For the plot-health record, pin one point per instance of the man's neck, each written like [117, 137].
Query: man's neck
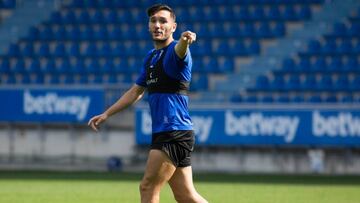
[162, 44]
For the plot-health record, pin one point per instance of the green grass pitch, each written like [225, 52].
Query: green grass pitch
[92, 187]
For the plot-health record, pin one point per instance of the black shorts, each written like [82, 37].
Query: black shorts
[177, 144]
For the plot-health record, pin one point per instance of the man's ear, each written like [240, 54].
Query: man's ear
[174, 27]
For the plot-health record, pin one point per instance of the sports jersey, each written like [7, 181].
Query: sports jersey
[168, 101]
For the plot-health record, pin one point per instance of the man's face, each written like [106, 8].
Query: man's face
[161, 25]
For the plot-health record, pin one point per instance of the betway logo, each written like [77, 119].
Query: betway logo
[51, 104]
[256, 124]
[202, 125]
[342, 125]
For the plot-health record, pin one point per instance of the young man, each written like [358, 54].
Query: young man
[166, 75]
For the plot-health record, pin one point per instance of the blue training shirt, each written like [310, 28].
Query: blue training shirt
[169, 111]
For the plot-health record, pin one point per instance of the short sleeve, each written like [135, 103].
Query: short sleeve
[176, 67]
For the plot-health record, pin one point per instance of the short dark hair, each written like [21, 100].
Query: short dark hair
[158, 7]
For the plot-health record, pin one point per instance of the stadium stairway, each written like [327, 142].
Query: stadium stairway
[26, 14]
[322, 19]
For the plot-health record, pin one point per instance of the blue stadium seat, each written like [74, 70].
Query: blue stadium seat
[105, 50]
[330, 99]
[355, 83]
[98, 79]
[115, 33]
[254, 47]
[304, 65]
[233, 30]
[297, 99]
[293, 83]
[288, 65]
[248, 30]
[236, 98]
[274, 13]
[5, 66]
[50, 66]
[60, 50]
[112, 16]
[258, 13]
[77, 3]
[319, 65]
[223, 48]
[33, 33]
[227, 14]
[88, 33]
[313, 47]
[97, 17]
[13, 50]
[239, 48]
[279, 30]
[309, 82]
[56, 18]
[335, 64]
[11, 79]
[122, 66]
[351, 64]
[108, 66]
[83, 17]
[93, 67]
[264, 30]
[339, 30]
[74, 33]
[101, 33]
[346, 99]
[325, 83]
[91, 3]
[28, 50]
[250, 99]
[304, 12]
[112, 79]
[78, 67]
[46, 33]
[64, 66]
[243, 14]
[289, 13]
[262, 83]
[44, 50]
[90, 50]
[54, 79]
[345, 47]
[266, 99]
[34, 66]
[25, 79]
[278, 83]
[227, 65]
[341, 83]
[211, 65]
[329, 47]
[69, 79]
[354, 30]
[314, 99]
[74, 49]
[199, 82]
[283, 99]
[18, 66]
[69, 17]
[60, 34]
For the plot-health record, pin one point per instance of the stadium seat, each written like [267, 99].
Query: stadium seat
[304, 64]
[293, 83]
[28, 50]
[34, 66]
[79, 67]
[330, 99]
[342, 83]
[329, 47]
[84, 17]
[278, 83]
[325, 83]
[74, 49]
[319, 65]
[335, 64]
[309, 83]
[60, 34]
[33, 33]
[313, 47]
[351, 64]
[199, 82]
[262, 83]
[13, 50]
[18, 66]
[46, 33]
[5, 66]
[97, 17]
[60, 50]
[74, 33]
[87, 33]
[91, 50]
[314, 99]
[345, 47]
[69, 17]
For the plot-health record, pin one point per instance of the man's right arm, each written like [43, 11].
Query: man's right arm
[130, 97]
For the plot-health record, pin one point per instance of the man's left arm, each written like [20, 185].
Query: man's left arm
[185, 40]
